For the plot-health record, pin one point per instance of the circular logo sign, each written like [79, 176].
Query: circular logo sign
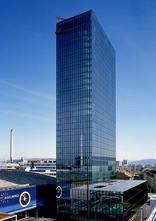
[58, 192]
[24, 199]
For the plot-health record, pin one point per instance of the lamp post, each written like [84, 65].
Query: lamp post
[87, 188]
[87, 164]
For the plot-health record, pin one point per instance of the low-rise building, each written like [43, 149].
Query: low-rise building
[150, 176]
[42, 166]
[113, 200]
[27, 194]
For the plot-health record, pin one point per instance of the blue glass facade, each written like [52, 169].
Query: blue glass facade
[85, 107]
[103, 104]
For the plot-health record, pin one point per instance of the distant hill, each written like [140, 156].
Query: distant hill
[144, 162]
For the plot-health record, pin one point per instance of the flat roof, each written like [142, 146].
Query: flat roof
[7, 185]
[5, 215]
[113, 185]
[18, 178]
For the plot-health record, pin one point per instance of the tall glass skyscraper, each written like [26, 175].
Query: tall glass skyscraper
[85, 107]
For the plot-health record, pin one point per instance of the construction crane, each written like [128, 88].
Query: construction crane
[59, 18]
[59, 31]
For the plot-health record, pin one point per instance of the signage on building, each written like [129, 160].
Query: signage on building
[19, 199]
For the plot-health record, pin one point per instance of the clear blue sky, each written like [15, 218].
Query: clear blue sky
[27, 73]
